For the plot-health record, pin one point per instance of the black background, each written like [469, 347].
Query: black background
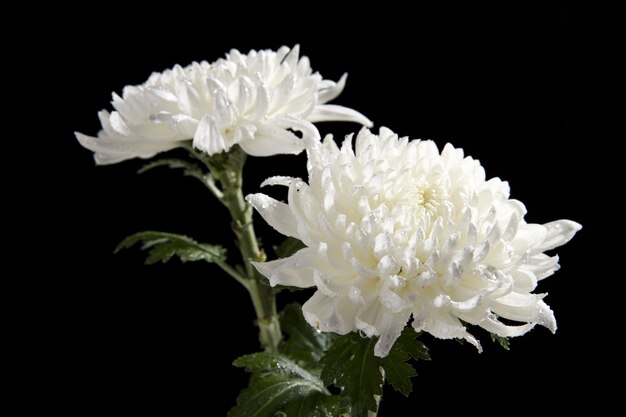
[517, 88]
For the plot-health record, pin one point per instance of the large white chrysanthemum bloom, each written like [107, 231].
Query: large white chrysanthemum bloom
[252, 100]
[396, 229]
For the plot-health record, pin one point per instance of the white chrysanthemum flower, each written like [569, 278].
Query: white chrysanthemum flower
[252, 100]
[395, 229]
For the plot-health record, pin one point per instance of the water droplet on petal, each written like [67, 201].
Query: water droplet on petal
[354, 294]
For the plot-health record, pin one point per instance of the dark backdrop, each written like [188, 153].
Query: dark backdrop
[515, 88]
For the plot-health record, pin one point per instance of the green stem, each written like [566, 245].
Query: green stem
[262, 295]
[232, 272]
[228, 169]
[210, 183]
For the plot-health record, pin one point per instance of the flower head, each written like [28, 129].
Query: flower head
[253, 100]
[395, 229]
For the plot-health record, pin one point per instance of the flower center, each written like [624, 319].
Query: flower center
[427, 197]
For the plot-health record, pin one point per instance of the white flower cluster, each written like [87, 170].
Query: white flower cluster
[253, 100]
[394, 229]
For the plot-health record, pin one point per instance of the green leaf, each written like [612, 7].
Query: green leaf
[303, 343]
[267, 394]
[501, 340]
[301, 393]
[316, 405]
[397, 371]
[407, 342]
[279, 384]
[271, 362]
[350, 363]
[163, 246]
[288, 247]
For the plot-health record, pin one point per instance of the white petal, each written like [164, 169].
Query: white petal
[317, 310]
[542, 265]
[527, 236]
[330, 90]
[182, 123]
[244, 94]
[329, 314]
[271, 139]
[224, 111]
[109, 150]
[303, 203]
[208, 137]
[259, 110]
[244, 133]
[291, 57]
[369, 318]
[279, 180]
[525, 308]
[346, 311]
[445, 326]
[494, 326]
[559, 232]
[118, 124]
[511, 229]
[276, 214]
[467, 305]
[287, 271]
[329, 287]
[188, 99]
[524, 280]
[390, 331]
[309, 132]
[335, 113]
[545, 317]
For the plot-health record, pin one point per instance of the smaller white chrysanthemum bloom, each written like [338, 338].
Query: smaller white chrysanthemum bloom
[253, 100]
[396, 229]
